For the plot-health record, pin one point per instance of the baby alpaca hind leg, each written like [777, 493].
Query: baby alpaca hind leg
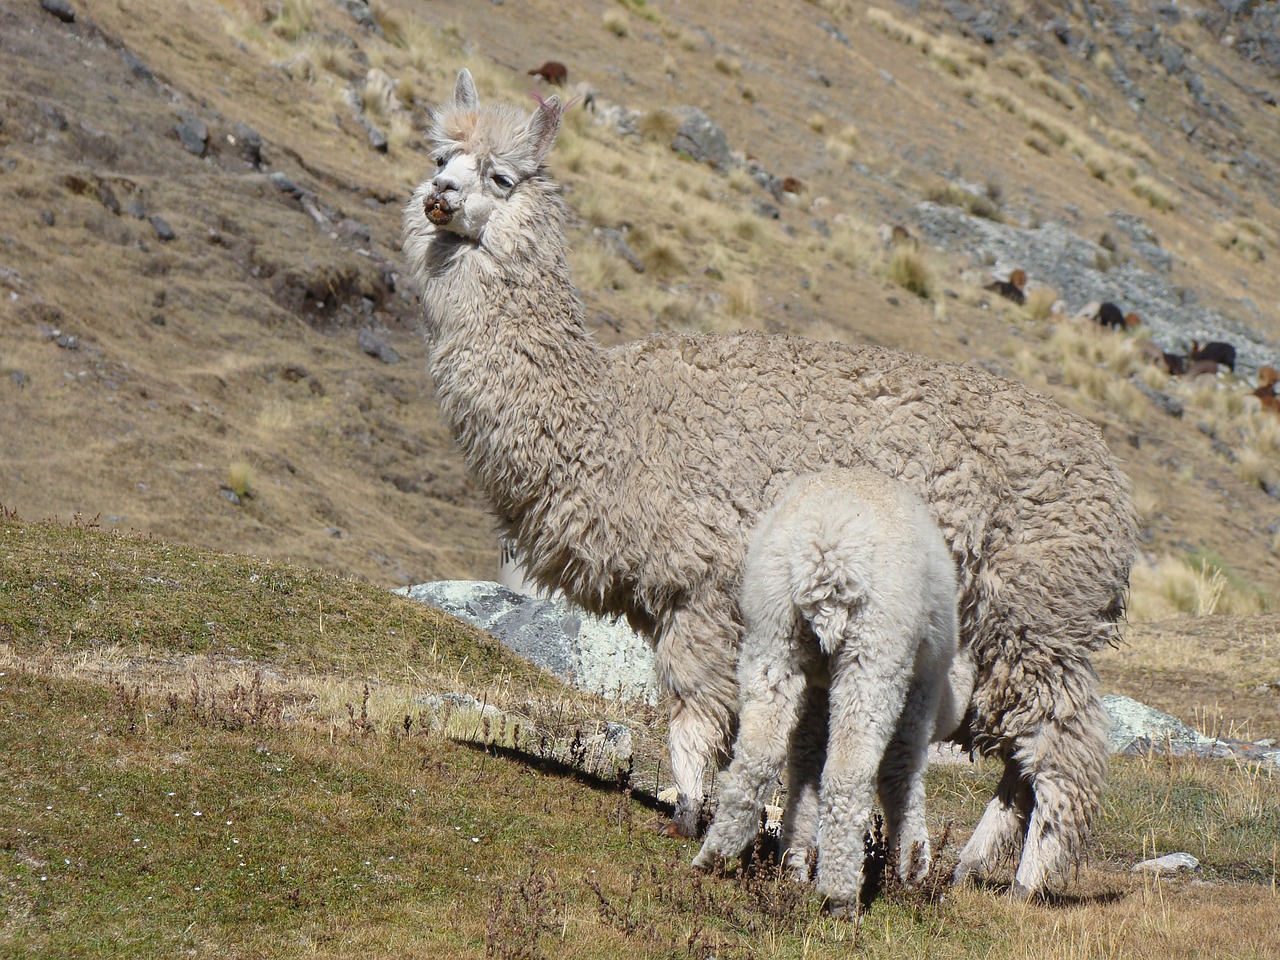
[902, 794]
[866, 702]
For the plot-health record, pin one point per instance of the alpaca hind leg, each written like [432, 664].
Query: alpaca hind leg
[804, 775]
[863, 714]
[902, 793]
[1001, 828]
[773, 693]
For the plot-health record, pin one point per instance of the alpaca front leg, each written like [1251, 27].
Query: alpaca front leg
[1001, 827]
[696, 657]
[1068, 765]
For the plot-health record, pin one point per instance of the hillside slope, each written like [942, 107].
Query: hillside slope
[202, 293]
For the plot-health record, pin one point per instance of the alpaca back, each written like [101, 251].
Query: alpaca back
[853, 552]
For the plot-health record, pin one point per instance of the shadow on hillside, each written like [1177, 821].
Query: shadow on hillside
[554, 766]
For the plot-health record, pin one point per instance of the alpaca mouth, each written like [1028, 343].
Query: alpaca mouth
[439, 211]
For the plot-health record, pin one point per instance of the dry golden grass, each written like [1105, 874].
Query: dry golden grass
[1039, 303]
[909, 270]
[1196, 586]
[616, 22]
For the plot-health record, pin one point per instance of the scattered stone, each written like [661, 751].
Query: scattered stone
[161, 226]
[614, 239]
[135, 209]
[834, 32]
[375, 346]
[60, 9]
[1165, 402]
[285, 185]
[593, 653]
[1138, 730]
[135, 66]
[701, 138]
[247, 144]
[231, 495]
[67, 342]
[107, 197]
[194, 134]
[355, 230]
[48, 218]
[18, 378]
[766, 209]
[1167, 865]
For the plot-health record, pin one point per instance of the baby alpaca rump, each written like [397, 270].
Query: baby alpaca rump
[631, 478]
[849, 597]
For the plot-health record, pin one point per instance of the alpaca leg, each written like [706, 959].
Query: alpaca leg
[863, 713]
[1001, 827]
[1067, 762]
[902, 793]
[773, 693]
[695, 656]
[804, 775]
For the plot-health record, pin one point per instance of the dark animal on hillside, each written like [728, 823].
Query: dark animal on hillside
[1223, 353]
[1109, 315]
[1013, 288]
[552, 71]
[1175, 364]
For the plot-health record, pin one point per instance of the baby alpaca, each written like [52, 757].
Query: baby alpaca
[849, 603]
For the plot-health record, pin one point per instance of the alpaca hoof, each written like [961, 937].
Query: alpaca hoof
[840, 909]
[438, 210]
[708, 861]
[1019, 892]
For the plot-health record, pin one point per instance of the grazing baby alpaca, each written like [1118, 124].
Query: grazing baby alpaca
[849, 606]
[630, 479]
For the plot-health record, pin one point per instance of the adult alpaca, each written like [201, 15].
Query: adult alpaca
[631, 477]
[849, 603]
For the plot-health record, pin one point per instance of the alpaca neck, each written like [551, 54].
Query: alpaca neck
[516, 373]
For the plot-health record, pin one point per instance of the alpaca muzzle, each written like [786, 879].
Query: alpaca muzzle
[439, 211]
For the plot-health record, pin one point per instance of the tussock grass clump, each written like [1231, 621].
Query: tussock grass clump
[909, 270]
[617, 23]
[291, 20]
[1246, 237]
[1149, 190]
[895, 29]
[240, 479]
[984, 205]
[1199, 584]
[842, 146]
[1039, 303]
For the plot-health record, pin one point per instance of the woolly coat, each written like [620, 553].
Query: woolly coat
[630, 478]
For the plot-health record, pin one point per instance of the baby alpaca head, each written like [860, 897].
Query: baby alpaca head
[486, 160]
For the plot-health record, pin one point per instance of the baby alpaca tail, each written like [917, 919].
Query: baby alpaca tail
[830, 572]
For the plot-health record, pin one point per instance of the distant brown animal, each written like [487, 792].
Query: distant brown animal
[1150, 351]
[1132, 320]
[897, 236]
[553, 72]
[1223, 353]
[1268, 377]
[1013, 288]
[791, 185]
[1175, 364]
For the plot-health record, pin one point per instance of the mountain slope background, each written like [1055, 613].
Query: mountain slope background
[201, 289]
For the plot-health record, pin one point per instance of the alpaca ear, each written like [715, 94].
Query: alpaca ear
[464, 92]
[543, 126]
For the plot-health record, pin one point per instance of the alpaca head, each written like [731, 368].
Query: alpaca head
[488, 163]
[1018, 278]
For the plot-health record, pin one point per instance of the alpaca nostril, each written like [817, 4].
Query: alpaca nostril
[444, 184]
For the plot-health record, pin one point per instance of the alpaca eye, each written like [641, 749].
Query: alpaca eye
[440, 161]
[505, 182]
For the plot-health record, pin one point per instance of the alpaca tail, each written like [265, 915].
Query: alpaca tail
[829, 579]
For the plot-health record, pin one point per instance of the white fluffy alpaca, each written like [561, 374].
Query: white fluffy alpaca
[849, 602]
